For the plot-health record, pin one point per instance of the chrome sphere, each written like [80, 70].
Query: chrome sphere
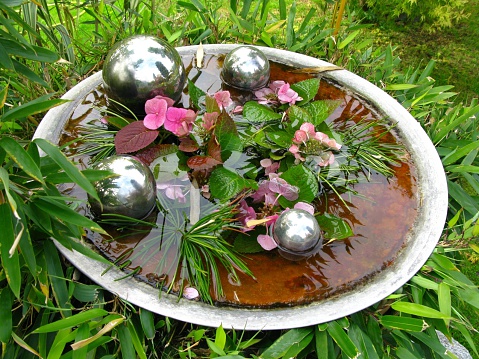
[131, 191]
[246, 67]
[142, 67]
[296, 231]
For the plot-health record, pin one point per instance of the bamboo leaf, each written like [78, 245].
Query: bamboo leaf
[321, 343]
[363, 343]
[419, 310]
[147, 323]
[220, 337]
[397, 87]
[24, 345]
[6, 302]
[21, 158]
[342, 340]
[127, 347]
[444, 299]
[70, 169]
[297, 348]
[403, 323]
[348, 39]
[72, 321]
[281, 346]
[106, 328]
[136, 341]
[10, 263]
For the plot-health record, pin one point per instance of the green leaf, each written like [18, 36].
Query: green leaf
[29, 74]
[321, 343]
[6, 302]
[220, 337]
[227, 135]
[281, 138]
[398, 87]
[419, 310]
[297, 348]
[321, 110]
[307, 89]
[31, 52]
[31, 108]
[62, 212]
[72, 321]
[305, 180]
[5, 60]
[147, 323]
[70, 169]
[256, 113]
[348, 39]
[444, 299]
[281, 346]
[212, 345]
[247, 243]
[22, 158]
[126, 342]
[363, 343]
[297, 116]
[333, 227]
[10, 263]
[459, 152]
[195, 93]
[342, 340]
[225, 184]
[137, 344]
[402, 323]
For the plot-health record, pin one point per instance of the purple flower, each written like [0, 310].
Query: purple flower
[266, 242]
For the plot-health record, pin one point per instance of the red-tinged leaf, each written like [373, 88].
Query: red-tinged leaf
[188, 144]
[134, 137]
[202, 162]
[214, 149]
[148, 155]
[211, 104]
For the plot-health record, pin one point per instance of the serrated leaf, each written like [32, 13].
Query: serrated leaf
[134, 137]
[333, 227]
[195, 93]
[211, 104]
[202, 162]
[247, 242]
[281, 138]
[297, 116]
[256, 113]
[321, 110]
[403, 323]
[305, 180]
[227, 136]
[225, 184]
[148, 155]
[307, 89]
[188, 144]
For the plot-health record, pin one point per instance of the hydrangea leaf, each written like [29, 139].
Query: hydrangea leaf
[306, 89]
[256, 113]
[134, 137]
[305, 180]
[281, 138]
[333, 227]
[226, 184]
[321, 110]
[195, 93]
[227, 135]
[297, 116]
[247, 242]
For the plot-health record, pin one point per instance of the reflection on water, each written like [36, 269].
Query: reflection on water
[380, 213]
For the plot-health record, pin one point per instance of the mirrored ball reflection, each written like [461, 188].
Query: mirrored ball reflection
[296, 232]
[142, 67]
[246, 67]
[130, 192]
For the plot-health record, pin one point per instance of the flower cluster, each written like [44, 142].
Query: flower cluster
[161, 112]
[308, 142]
[277, 92]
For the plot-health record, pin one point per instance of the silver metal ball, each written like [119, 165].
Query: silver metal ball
[142, 67]
[246, 67]
[296, 231]
[130, 192]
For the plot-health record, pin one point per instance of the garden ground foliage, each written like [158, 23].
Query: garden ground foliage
[49, 310]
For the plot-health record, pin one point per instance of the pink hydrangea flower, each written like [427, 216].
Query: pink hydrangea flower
[288, 95]
[305, 207]
[223, 99]
[155, 109]
[209, 120]
[266, 96]
[269, 166]
[179, 121]
[266, 242]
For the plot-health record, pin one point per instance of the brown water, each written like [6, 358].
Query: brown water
[380, 216]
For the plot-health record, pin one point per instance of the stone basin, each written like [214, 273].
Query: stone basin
[420, 242]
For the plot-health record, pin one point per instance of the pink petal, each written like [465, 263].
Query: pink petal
[308, 128]
[174, 117]
[223, 98]
[267, 242]
[276, 85]
[305, 207]
[153, 121]
[190, 293]
[300, 136]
